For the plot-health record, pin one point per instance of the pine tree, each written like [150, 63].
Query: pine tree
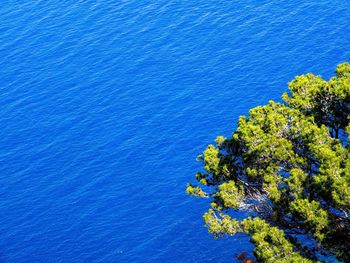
[288, 166]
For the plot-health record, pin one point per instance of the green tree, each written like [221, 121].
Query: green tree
[288, 166]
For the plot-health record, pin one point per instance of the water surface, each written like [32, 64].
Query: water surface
[105, 105]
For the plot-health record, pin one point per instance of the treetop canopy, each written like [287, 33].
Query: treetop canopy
[288, 165]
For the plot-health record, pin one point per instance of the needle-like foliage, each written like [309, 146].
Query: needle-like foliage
[288, 165]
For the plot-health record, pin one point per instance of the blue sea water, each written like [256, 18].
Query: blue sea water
[105, 105]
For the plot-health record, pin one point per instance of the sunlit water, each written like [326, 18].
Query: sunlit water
[106, 104]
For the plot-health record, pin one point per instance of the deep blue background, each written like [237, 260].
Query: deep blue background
[105, 104]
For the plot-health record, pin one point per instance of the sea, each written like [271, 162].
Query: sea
[105, 104]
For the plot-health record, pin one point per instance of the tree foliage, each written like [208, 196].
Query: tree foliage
[288, 166]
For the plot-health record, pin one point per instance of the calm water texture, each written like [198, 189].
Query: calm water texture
[105, 105]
